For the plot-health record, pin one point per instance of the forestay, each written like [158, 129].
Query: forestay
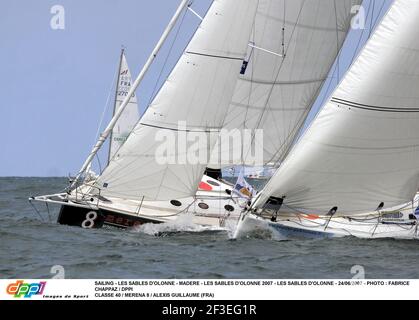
[363, 147]
[198, 92]
[276, 92]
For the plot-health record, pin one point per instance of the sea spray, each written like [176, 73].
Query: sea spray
[184, 223]
[253, 230]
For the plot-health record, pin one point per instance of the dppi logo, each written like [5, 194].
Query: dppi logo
[27, 290]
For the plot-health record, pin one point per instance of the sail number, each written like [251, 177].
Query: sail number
[124, 94]
[89, 223]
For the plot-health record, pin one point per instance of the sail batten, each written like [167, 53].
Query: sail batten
[362, 149]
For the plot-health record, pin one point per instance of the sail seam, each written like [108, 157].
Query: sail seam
[181, 130]
[273, 109]
[267, 82]
[214, 56]
[372, 107]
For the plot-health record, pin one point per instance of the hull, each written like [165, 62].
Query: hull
[97, 218]
[212, 206]
[305, 227]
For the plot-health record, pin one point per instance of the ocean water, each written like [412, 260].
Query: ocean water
[31, 247]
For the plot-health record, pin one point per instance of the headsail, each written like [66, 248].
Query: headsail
[363, 147]
[197, 92]
[276, 92]
[130, 116]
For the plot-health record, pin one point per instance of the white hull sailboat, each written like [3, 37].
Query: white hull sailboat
[133, 189]
[355, 170]
[396, 224]
[214, 202]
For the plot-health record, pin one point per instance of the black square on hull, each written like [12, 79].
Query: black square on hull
[81, 217]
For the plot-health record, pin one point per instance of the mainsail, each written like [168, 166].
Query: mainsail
[197, 92]
[130, 116]
[362, 150]
[293, 47]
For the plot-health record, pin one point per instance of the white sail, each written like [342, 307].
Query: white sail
[198, 92]
[130, 116]
[276, 93]
[362, 149]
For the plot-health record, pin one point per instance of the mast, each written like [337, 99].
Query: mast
[115, 107]
[137, 82]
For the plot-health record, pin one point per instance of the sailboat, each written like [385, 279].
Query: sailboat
[355, 171]
[130, 116]
[237, 72]
[211, 188]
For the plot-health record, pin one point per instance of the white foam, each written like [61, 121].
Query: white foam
[182, 224]
[254, 229]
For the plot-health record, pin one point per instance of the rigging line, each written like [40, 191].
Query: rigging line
[107, 103]
[266, 50]
[195, 177]
[251, 78]
[372, 17]
[128, 172]
[183, 51]
[194, 12]
[214, 56]
[49, 213]
[156, 91]
[269, 108]
[376, 107]
[293, 127]
[153, 95]
[115, 103]
[283, 29]
[337, 45]
[115, 80]
[165, 172]
[378, 15]
[168, 168]
[208, 130]
[228, 111]
[327, 94]
[126, 167]
[302, 122]
[37, 211]
[106, 108]
[99, 164]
